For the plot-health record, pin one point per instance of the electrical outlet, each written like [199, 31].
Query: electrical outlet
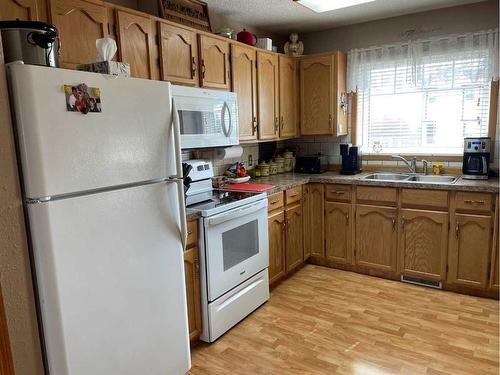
[250, 160]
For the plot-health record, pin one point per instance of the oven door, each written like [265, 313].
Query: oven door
[236, 247]
[207, 121]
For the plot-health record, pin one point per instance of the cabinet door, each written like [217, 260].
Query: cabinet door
[494, 282]
[243, 66]
[135, 43]
[340, 95]
[79, 24]
[338, 235]
[214, 55]
[376, 237]
[294, 237]
[317, 213]
[276, 227]
[178, 55]
[25, 10]
[423, 243]
[193, 295]
[267, 91]
[306, 214]
[470, 241]
[288, 96]
[316, 95]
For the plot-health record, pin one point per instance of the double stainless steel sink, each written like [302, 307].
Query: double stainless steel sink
[413, 177]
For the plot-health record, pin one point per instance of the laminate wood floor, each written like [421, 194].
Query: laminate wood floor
[326, 321]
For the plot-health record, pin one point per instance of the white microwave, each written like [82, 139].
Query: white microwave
[207, 118]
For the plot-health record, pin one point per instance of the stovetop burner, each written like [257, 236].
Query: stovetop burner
[221, 198]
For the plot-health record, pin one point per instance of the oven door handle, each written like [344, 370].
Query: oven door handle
[234, 214]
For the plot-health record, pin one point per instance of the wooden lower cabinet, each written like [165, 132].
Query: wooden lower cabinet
[294, 236]
[317, 217]
[306, 214]
[469, 252]
[494, 271]
[338, 232]
[423, 243]
[276, 228]
[193, 293]
[376, 237]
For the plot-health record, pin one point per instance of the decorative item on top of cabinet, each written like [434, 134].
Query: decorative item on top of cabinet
[494, 271]
[322, 95]
[178, 54]
[244, 81]
[192, 13]
[470, 249]
[338, 232]
[376, 237]
[214, 62]
[294, 47]
[294, 236]
[79, 24]
[317, 219]
[24, 10]
[288, 96]
[276, 228]
[423, 244]
[135, 43]
[268, 92]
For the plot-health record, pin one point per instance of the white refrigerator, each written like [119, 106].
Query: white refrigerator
[105, 204]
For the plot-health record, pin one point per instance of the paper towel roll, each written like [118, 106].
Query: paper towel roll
[233, 152]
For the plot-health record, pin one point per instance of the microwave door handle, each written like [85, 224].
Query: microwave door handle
[177, 141]
[485, 166]
[227, 132]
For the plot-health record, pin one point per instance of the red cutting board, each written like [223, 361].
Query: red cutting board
[248, 187]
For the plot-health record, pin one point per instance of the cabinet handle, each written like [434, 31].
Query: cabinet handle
[197, 265]
[282, 123]
[254, 125]
[190, 232]
[276, 126]
[457, 230]
[193, 68]
[330, 122]
[403, 222]
[202, 68]
[347, 217]
[283, 225]
[470, 201]
[393, 225]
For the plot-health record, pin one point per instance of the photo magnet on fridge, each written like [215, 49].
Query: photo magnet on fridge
[82, 98]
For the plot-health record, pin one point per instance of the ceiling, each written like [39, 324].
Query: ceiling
[283, 16]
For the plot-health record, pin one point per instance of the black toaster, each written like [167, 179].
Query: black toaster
[313, 164]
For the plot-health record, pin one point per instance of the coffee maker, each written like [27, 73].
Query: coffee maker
[351, 158]
[476, 161]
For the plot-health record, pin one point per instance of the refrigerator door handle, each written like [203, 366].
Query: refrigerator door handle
[177, 140]
[182, 211]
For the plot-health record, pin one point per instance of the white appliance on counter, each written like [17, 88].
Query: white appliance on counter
[105, 203]
[208, 118]
[234, 256]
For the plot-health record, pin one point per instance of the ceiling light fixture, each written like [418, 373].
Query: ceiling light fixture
[320, 6]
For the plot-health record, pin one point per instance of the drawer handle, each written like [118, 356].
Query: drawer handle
[190, 232]
[274, 202]
[471, 201]
[293, 195]
[339, 192]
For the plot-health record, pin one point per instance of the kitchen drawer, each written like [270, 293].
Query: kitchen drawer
[275, 201]
[192, 235]
[481, 202]
[341, 193]
[421, 198]
[293, 195]
[372, 194]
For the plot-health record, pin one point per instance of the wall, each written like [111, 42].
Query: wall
[15, 273]
[460, 19]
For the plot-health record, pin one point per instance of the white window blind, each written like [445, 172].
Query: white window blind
[424, 97]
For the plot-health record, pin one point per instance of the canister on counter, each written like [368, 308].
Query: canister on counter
[264, 169]
[288, 161]
[281, 164]
[273, 168]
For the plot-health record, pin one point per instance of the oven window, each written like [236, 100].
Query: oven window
[239, 244]
[200, 122]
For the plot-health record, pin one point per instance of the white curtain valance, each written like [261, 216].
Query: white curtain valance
[410, 56]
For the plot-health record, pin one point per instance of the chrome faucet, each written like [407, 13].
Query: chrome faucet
[412, 166]
[425, 166]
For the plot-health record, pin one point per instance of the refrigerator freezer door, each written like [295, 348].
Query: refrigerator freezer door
[110, 276]
[63, 152]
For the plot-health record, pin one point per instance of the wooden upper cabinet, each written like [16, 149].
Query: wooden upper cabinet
[178, 54]
[135, 43]
[288, 96]
[268, 93]
[294, 236]
[244, 82]
[214, 61]
[79, 24]
[423, 243]
[276, 227]
[470, 248]
[340, 94]
[317, 212]
[316, 95]
[25, 10]
[338, 233]
[193, 293]
[376, 237]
